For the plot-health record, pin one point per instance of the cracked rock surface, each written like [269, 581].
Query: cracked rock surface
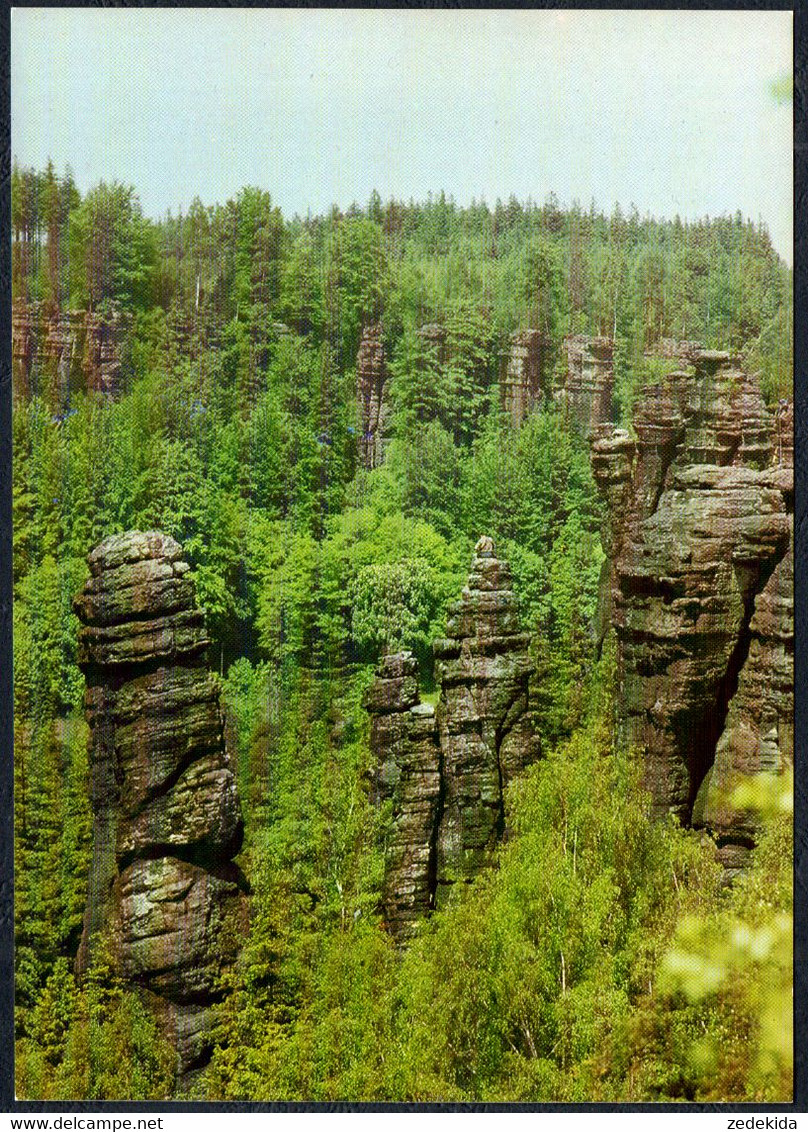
[586, 394]
[699, 535]
[164, 892]
[404, 737]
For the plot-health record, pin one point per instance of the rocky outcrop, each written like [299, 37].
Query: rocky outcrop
[102, 360]
[165, 898]
[521, 381]
[586, 396]
[484, 717]
[55, 353]
[374, 410]
[699, 536]
[446, 773]
[404, 736]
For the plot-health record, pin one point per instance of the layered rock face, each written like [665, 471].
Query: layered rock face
[484, 717]
[446, 772]
[404, 735]
[164, 894]
[586, 395]
[520, 384]
[374, 411]
[53, 354]
[699, 536]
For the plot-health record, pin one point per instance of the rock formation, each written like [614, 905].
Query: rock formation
[699, 537]
[484, 718]
[55, 353]
[404, 735]
[446, 773]
[164, 898]
[586, 395]
[520, 385]
[371, 379]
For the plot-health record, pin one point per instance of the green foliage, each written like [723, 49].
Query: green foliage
[782, 88]
[45, 632]
[539, 286]
[772, 355]
[94, 1041]
[301, 290]
[741, 957]
[116, 250]
[532, 966]
[522, 989]
[236, 433]
[394, 605]
[317, 599]
[52, 846]
[356, 281]
[419, 389]
[429, 469]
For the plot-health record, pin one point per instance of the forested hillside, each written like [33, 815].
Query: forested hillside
[603, 956]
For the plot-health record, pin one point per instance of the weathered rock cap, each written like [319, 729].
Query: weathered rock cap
[138, 606]
[396, 685]
[396, 664]
[712, 359]
[133, 546]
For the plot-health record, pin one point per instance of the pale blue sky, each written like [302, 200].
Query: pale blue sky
[670, 111]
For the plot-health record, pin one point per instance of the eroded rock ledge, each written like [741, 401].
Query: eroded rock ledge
[164, 897]
[445, 772]
[699, 537]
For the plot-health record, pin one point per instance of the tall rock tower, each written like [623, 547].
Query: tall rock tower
[700, 541]
[445, 772]
[372, 396]
[484, 718]
[165, 898]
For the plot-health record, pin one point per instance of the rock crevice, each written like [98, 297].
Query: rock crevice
[699, 537]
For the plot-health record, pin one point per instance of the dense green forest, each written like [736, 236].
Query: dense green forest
[556, 976]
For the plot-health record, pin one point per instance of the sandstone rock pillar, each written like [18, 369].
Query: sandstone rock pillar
[520, 384]
[486, 731]
[165, 899]
[404, 737]
[445, 772]
[371, 395]
[699, 539]
[586, 396]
